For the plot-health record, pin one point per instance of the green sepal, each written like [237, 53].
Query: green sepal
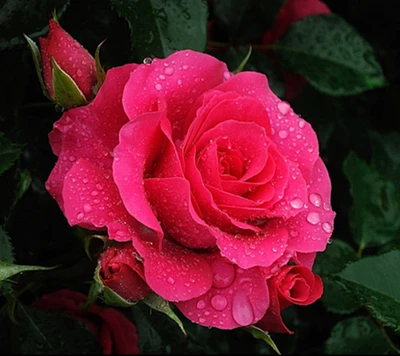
[109, 296]
[37, 60]
[243, 62]
[101, 73]
[66, 92]
[154, 301]
[263, 335]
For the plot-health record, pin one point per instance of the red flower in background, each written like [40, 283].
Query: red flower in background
[292, 11]
[115, 333]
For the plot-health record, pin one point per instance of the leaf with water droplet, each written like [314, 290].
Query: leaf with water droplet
[263, 335]
[154, 301]
[331, 54]
[156, 26]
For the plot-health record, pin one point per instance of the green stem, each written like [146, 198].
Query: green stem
[388, 340]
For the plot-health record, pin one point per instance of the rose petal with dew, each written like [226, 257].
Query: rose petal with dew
[171, 198]
[293, 136]
[92, 201]
[141, 144]
[174, 272]
[237, 297]
[179, 79]
[89, 132]
[261, 249]
[310, 230]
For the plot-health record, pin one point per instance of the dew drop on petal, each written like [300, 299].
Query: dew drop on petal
[158, 86]
[87, 208]
[242, 311]
[327, 227]
[170, 280]
[201, 304]
[296, 203]
[315, 199]
[283, 107]
[302, 123]
[224, 274]
[169, 70]
[313, 218]
[219, 302]
[80, 216]
[147, 61]
[283, 134]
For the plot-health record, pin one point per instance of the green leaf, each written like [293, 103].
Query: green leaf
[66, 92]
[6, 248]
[270, 10]
[375, 282]
[42, 331]
[375, 218]
[154, 301]
[37, 60]
[356, 336]
[160, 27]
[230, 13]
[331, 54]
[101, 74]
[33, 15]
[263, 335]
[335, 298]
[8, 270]
[9, 152]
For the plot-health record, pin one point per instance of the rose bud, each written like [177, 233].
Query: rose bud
[114, 331]
[122, 272]
[69, 71]
[292, 285]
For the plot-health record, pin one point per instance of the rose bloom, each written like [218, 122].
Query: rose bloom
[214, 180]
[115, 333]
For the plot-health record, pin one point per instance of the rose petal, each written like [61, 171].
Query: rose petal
[305, 259]
[141, 143]
[293, 136]
[311, 229]
[92, 201]
[175, 273]
[97, 123]
[237, 297]
[179, 78]
[171, 198]
[262, 249]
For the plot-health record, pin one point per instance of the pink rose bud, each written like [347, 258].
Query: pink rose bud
[122, 272]
[71, 58]
[292, 285]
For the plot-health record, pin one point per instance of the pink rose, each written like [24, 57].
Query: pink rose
[115, 333]
[122, 272]
[292, 285]
[292, 11]
[214, 180]
[70, 56]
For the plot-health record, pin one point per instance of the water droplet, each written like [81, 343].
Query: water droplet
[170, 280]
[302, 123]
[315, 199]
[202, 320]
[242, 311]
[327, 227]
[71, 158]
[87, 208]
[224, 274]
[283, 134]
[94, 193]
[274, 249]
[158, 86]
[147, 61]
[169, 70]
[79, 73]
[294, 233]
[227, 75]
[313, 218]
[326, 206]
[330, 241]
[201, 304]
[185, 67]
[99, 186]
[296, 203]
[283, 107]
[80, 216]
[219, 302]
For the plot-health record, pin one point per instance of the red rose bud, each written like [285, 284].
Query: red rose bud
[122, 272]
[69, 71]
[114, 331]
[292, 285]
